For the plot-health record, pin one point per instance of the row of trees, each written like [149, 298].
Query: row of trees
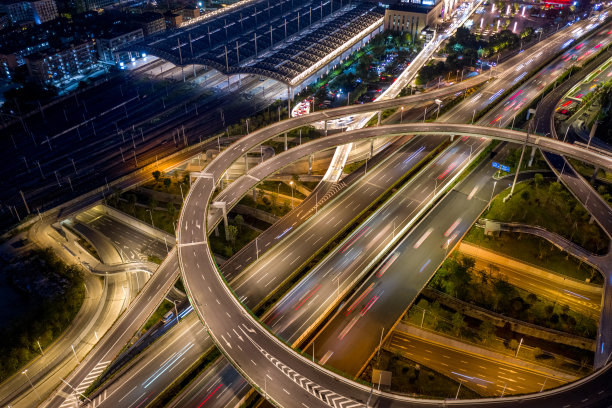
[53, 293]
[464, 49]
[459, 278]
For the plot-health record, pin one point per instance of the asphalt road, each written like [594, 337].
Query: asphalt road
[142, 380]
[133, 244]
[384, 299]
[280, 262]
[580, 298]
[394, 164]
[121, 331]
[485, 375]
[99, 310]
[591, 200]
[194, 254]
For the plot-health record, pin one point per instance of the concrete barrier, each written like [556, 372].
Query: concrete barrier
[136, 223]
[255, 212]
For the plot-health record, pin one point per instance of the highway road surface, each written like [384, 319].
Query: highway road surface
[405, 100]
[394, 165]
[225, 314]
[485, 375]
[317, 294]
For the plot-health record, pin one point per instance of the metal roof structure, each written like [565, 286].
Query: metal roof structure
[279, 39]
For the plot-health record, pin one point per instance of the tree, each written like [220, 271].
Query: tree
[458, 323]
[167, 183]
[513, 345]
[171, 209]
[131, 199]
[537, 352]
[152, 203]
[486, 331]
[538, 179]
[233, 234]
[239, 221]
[156, 175]
[525, 195]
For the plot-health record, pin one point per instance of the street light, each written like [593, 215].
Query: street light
[176, 311]
[439, 103]
[151, 214]
[402, 116]
[492, 191]
[25, 372]
[291, 183]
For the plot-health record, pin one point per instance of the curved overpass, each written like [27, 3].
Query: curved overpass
[284, 376]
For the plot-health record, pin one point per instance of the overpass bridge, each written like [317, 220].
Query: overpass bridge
[258, 355]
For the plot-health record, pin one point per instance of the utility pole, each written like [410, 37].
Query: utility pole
[24, 201]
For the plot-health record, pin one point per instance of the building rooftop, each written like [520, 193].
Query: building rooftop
[410, 7]
[290, 37]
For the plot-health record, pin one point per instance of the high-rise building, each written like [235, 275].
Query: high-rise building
[37, 11]
[56, 65]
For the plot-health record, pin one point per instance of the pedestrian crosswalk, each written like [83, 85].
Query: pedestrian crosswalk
[74, 399]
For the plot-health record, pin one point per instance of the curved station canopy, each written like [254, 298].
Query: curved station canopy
[278, 39]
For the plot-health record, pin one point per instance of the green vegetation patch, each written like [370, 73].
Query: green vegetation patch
[164, 308]
[280, 187]
[51, 292]
[459, 278]
[239, 233]
[550, 205]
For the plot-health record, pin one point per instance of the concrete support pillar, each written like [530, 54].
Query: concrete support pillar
[223, 206]
[310, 159]
[592, 133]
[594, 176]
[217, 231]
[325, 127]
[452, 137]
[253, 190]
[518, 168]
[379, 118]
[371, 148]
[285, 141]
[533, 151]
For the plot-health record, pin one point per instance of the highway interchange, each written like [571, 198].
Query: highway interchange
[334, 294]
[397, 103]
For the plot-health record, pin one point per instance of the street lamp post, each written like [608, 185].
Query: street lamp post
[176, 311]
[25, 372]
[151, 214]
[492, 191]
[291, 183]
[402, 115]
[458, 389]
